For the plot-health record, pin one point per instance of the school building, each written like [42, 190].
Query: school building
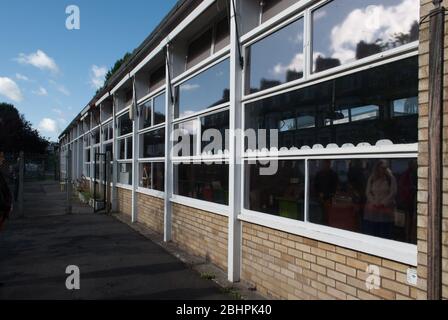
[351, 98]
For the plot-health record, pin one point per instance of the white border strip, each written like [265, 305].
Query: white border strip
[388, 249]
[219, 209]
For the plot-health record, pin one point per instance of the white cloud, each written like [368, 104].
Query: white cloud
[97, 76]
[40, 60]
[48, 125]
[369, 24]
[189, 87]
[10, 89]
[41, 92]
[22, 77]
[295, 65]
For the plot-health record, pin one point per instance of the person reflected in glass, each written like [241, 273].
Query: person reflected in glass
[407, 191]
[380, 207]
[326, 185]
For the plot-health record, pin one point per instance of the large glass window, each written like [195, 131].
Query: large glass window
[146, 114]
[281, 194]
[154, 144]
[187, 137]
[124, 125]
[208, 89]
[125, 149]
[276, 59]
[371, 196]
[152, 176]
[368, 106]
[346, 31]
[207, 182]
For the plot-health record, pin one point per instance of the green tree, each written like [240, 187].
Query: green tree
[115, 68]
[17, 134]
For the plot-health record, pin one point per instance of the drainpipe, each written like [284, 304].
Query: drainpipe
[435, 174]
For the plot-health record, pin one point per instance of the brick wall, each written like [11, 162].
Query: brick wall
[426, 6]
[201, 233]
[287, 266]
[151, 211]
[124, 197]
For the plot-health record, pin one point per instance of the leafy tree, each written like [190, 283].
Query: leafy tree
[115, 68]
[17, 134]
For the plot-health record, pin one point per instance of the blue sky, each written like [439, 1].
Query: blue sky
[49, 72]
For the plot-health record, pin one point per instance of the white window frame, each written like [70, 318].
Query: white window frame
[300, 10]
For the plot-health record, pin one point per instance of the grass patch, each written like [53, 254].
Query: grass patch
[207, 276]
[234, 293]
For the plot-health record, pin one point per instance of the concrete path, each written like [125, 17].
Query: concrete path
[115, 261]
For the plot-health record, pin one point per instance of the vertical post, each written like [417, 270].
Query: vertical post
[168, 147]
[114, 196]
[21, 178]
[107, 177]
[68, 182]
[135, 153]
[435, 175]
[234, 227]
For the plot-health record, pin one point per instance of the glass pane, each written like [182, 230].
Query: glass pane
[371, 196]
[154, 144]
[152, 176]
[200, 48]
[124, 125]
[206, 90]
[222, 34]
[129, 148]
[122, 148]
[215, 126]
[124, 173]
[145, 115]
[145, 180]
[208, 182]
[159, 109]
[346, 31]
[158, 175]
[278, 192]
[187, 138]
[276, 59]
[361, 107]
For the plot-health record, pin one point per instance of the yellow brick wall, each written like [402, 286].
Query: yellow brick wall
[124, 197]
[151, 211]
[286, 266]
[201, 233]
[426, 6]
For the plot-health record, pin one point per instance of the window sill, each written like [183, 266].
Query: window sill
[387, 249]
[124, 186]
[152, 193]
[219, 209]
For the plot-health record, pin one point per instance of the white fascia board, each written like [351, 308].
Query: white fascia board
[180, 27]
[85, 110]
[122, 82]
[102, 99]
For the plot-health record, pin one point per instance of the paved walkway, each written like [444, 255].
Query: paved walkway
[115, 261]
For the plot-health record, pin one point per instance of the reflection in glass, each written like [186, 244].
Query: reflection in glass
[159, 109]
[208, 89]
[154, 144]
[146, 115]
[281, 194]
[124, 125]
[207, 182]
[152, 176]
[187, 133]
[217, 121]
[345, 31]
[376, 197]
[362, 107]
[276, 59]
